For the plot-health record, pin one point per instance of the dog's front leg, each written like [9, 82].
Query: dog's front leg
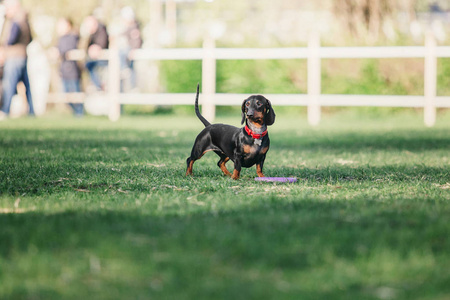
[259, 167]
[237, 169]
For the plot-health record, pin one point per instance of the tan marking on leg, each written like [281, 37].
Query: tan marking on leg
[224, 168]
[235, 175]
[189, 169]
[259, 171]
[204, 153]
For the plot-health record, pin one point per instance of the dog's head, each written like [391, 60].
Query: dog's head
[258, 110]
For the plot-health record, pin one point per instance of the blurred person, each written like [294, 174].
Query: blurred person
[130, 40]
[98, 40]
[69, 69]
[15, 38]
[2, 22]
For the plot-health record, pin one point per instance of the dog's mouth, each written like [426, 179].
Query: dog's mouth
[255, 119]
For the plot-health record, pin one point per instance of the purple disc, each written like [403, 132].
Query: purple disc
[277, 179]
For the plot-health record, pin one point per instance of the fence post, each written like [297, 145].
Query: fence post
[314, 79]
[430, 79]
[209, 78]
[114, 83]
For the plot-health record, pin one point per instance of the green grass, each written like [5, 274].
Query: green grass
[99, 210]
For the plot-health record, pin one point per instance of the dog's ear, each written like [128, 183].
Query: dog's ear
[270, 114]
[243, 111]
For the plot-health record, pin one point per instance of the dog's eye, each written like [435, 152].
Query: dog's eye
[247, 104]
[258, 103]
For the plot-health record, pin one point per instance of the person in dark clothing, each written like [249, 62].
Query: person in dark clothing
[98, 40]
[69, 69]
[15, 39]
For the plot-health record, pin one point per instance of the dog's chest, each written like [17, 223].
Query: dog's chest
[254, 150]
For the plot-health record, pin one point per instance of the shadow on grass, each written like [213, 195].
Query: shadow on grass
[306, 248]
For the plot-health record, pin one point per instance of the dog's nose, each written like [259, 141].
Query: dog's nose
[250, 112]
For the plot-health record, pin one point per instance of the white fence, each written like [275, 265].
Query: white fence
[313, 100]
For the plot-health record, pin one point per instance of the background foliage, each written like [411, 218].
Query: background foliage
[350, 76]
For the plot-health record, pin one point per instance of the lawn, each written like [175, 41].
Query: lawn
[91, 209]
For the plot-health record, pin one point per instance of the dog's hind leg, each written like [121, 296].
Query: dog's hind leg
[223, 160]
[190, 164]
[201, 146]
[196, 154]
[190, 161]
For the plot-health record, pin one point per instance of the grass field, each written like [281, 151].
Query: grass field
[91, 209]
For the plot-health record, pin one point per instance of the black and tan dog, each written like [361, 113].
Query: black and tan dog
[245, 146]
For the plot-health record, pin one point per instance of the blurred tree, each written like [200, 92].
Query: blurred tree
[364, 19]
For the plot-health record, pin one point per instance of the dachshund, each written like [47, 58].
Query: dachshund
[245, 147]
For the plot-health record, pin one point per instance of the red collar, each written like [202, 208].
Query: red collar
[255, 135]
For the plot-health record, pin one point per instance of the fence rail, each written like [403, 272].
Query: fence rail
[289, 53]
[314, 99]
[281, 99]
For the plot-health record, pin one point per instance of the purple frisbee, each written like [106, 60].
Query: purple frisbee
[277, 179]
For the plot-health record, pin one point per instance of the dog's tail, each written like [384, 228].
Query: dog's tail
[197, 111]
